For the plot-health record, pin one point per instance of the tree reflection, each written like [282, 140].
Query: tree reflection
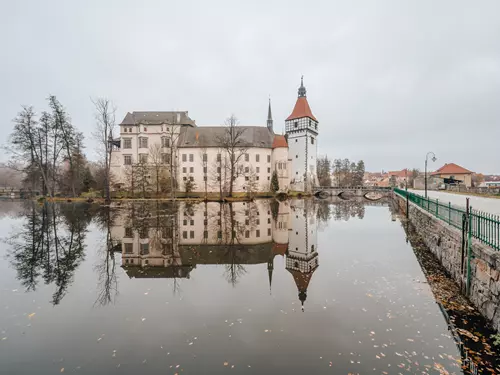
[49, 245]
[340, 210]
[107, 284]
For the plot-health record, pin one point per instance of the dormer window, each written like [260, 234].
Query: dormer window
[296, 124]
[145, 129]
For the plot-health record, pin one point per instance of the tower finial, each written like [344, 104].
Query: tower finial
[269, 117]
[302, 89]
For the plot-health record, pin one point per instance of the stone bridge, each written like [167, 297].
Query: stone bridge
[367, 192]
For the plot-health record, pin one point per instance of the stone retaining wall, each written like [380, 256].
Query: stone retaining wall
[445, 242]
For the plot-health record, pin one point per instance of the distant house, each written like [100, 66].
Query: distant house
[453, 173]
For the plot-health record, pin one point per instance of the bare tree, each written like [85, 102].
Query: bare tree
[157, 161]
[204, 164]
[104, 133]
[66, 136]
[251, 185]
[232, 142]
[172, 137]
[25, 144]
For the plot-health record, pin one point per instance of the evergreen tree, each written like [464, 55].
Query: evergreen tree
[275, 185]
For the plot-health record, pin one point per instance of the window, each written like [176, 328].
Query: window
[257, 158]
[218, 169]
[219, 234]
[144, 249]
[130, 130]
[205, 157]
[125, 130]
[184, 222]
[191, 234]
[127, 143]
[312, 248]
[191, 222]
[269, 220]
[247, 221]
[205, 170]
[185, 234]
[257, 233]
[268, 158]
[184, 178]
[165, 142]
[257, 178]
[247, 157]
[218, 157]
[129, 233]
[247, 169]
[247, 178]
[129, 248]
[145, 129]
[268, 231]
[143, 142]
[296, 124]
[316, 126]
[191, 169]
[205, 234]
[257, 221]
[191, 157]
[218, 222]
[143, 158]
[296, 140]
[184, 157]
[184, 169]
[191, 178]
[204, 178]
[143, 233]
[127, 159]
[268, 170]
[247, 234]
[257, 169]
[268, 178]
[165, 158]
[312, 140]
[296, 156]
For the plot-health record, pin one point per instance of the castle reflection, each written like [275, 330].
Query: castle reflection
[167, 240]
[163, 240]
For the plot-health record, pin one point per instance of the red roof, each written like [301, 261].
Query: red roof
[452, 168]
[301, 109]
[402, 173]
[280, 248]
[279, 141]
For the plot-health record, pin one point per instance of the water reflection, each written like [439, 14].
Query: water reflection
[163, 240]
[49, 245]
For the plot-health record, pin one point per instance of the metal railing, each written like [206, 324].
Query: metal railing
[483, 226]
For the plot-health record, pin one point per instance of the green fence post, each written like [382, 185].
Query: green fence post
[449, 212]
[437, 207]
[469, 249]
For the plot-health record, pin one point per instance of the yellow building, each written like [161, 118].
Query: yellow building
[454, 172]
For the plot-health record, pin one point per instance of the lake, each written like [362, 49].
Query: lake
[265, 287]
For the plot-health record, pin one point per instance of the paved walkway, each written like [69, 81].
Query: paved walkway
[490, 205]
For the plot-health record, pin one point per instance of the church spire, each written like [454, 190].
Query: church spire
[269, 117]
[302, 89]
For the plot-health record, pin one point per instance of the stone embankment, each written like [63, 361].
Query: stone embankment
[447, 243]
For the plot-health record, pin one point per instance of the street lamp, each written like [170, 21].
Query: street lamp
[433, 159]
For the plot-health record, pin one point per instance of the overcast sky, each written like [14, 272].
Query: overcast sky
[387, 80]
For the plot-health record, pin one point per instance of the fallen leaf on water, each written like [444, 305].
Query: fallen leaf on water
[225, 363]
[62, 370]
[31, 315]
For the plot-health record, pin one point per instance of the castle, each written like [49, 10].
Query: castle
[171, 143]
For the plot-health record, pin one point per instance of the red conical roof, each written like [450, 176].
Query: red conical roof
[301, 109]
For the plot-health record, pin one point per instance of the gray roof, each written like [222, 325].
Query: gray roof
[207, 136]
[157, 118]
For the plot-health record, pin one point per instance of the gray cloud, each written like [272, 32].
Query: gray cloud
[388, 80]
